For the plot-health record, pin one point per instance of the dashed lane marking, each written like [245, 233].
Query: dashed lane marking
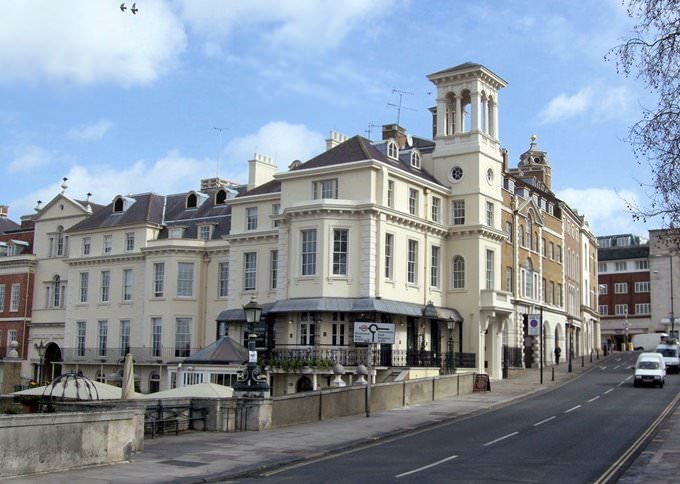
[426, 467]
[593, 399]
[500, 438]
[572, 409]
[545, 420]
[608, 391]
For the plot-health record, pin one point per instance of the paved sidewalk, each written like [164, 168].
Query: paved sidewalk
[213, 457]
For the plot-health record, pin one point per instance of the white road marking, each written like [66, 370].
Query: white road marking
[608, 391]
[426, 467]
[617, 367]
[631, 376]
[621, 383]
[603, 367]
[593, 399]
[544, 421]
[572, 409]
[500, 438]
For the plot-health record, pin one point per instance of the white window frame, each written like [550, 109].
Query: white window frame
[389, 256]
[490, 262]
[124, 337]
[105, 287]
[642, 286]
[185, 279]
[273, 269]
[390, 193]
[249, 271]
[308, 245]
[251, 218]
[128, 282]
[489, 214]
[643, 308]
[14, 298]
[156, 336]
[223, 279]
[620, 288]
[435, 263]
[158, 279]
[458, 212]
[183, 334]
[107, 247]
[603, 309]
[84, 280]
[325, 189]
[340, 256]
[436, 209]
[86, 245]
[412, 262]
[621, 309]
[413, 201]
[81, 335]
[129, 242]
[102, 336]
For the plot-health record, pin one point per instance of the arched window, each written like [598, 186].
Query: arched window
[392, 149]
[56, 292]
[118, 204]
[528, 237]
[191, 200]
[220, 197]
[415, 159]
[458, 272]
[101, 377]
[528, 279]
[60, 241]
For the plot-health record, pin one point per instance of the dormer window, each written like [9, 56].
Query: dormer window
[191, 200]
[122, 203]
[220, 196]
[175, 232]
[415, 159]
[204, 232]
[392, 150]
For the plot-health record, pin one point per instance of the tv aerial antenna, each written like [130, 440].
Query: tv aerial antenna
[368, 130]
[400, 106]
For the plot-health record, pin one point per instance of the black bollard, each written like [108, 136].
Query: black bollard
[553, 373]
[582, 361]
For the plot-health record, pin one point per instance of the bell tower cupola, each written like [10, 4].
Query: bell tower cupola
[467, 106]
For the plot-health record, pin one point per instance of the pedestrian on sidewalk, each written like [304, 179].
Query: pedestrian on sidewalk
[558, 352]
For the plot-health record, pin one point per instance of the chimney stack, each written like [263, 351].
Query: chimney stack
[396, 132]
[3, 211]
[334, 139]
[261, 169]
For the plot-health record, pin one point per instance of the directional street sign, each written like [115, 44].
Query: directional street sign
[372, 332]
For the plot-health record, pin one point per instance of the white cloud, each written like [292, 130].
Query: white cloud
[91, 132]
[85, 42]
[28, 159]
[605, 209]
[614, 103]
[284, 142]
[173, 173]
[565, 106]
[306, 24]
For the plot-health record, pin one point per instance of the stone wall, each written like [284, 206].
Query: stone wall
[341, 402]
[33, 443]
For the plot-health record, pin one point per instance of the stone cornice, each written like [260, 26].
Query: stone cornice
[106, 259]
[481, 231]
[252, 236]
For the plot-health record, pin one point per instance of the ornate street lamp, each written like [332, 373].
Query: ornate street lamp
[252, 381]
[41, 348]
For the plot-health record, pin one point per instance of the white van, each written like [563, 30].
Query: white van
[671, 356]
[648, 341]
[650, 368]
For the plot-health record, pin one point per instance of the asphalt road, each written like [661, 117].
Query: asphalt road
[569, 435]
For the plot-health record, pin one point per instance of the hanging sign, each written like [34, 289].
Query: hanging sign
[534, 326]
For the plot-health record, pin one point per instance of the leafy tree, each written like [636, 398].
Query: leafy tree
[652, 54]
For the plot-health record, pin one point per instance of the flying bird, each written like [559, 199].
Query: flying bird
[134, 9]
[122, 7]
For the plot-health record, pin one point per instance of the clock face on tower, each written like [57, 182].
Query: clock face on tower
[456, 174]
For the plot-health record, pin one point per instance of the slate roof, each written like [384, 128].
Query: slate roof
[225, 350]
[7, 225]
[148, 208]
[177, 214]
[359, 148]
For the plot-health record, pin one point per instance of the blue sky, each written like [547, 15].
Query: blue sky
[123, 103]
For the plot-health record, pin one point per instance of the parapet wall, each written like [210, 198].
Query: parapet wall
[45, 442]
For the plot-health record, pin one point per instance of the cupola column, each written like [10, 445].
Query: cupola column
[474, 126]
[485, 110]
[458, 125]
[441, 116]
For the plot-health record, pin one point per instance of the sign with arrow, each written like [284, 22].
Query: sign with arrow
[373, 333]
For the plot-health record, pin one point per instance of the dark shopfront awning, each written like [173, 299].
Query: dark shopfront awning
[347, 305]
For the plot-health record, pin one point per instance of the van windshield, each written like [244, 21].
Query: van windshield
[648, 365]
[669, 352]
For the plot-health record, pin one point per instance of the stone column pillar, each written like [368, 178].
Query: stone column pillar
[475, 124]
[441, 117]
[460, 123]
